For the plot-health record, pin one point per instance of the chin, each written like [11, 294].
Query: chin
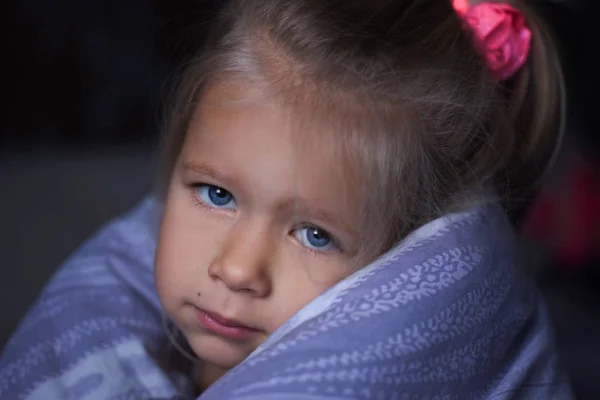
[218, 351]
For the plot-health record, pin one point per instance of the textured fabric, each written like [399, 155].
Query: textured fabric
[95, 332]
[446, 314]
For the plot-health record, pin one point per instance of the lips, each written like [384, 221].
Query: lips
[222, 326]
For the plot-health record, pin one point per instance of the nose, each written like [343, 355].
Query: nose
[243, 262]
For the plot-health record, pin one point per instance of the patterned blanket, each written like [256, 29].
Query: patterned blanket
[447, 314]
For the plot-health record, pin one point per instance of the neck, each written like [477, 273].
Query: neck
[206, 374]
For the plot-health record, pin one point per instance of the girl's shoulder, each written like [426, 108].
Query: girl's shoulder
[97, 321]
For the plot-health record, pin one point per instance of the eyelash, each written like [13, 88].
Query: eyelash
[335, 242]
[193, 192]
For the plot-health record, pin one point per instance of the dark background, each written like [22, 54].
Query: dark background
[83, 83]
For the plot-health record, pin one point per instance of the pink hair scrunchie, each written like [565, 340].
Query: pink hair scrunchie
[500, 33]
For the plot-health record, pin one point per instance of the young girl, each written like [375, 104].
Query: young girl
[329, 219]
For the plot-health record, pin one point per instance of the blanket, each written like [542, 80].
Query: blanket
[449, 313]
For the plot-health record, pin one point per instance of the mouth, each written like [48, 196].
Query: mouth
[222, 326]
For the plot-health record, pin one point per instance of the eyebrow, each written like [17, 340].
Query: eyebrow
[214, 173]
[302, 207]
[203, 169]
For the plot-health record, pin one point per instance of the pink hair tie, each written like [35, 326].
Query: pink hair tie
[501, 35]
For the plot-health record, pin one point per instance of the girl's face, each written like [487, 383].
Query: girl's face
[254, 228]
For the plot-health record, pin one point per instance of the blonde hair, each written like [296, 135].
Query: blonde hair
[421, 122]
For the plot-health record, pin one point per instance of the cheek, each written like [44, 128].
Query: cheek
[183, 252]
[170, 262]
[303, 279]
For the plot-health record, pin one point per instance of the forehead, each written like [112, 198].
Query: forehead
[242, 132]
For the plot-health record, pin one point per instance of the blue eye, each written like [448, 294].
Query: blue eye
[216, 197]
[314, 238]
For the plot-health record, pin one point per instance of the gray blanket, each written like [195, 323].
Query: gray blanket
[447, 314]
